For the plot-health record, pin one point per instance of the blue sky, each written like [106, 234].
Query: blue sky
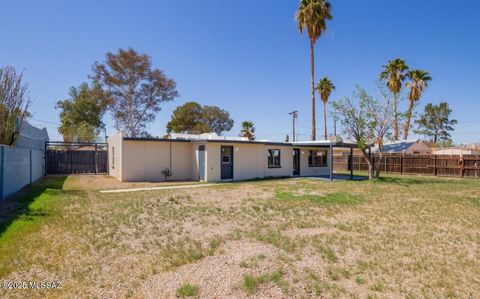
[247, 56]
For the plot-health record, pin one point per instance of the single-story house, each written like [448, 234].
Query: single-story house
[212, 158]
[407, 147]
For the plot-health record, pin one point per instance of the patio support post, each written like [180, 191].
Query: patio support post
[331, 162]
[351, 163]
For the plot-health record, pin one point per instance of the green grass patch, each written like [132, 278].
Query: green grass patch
[330, 198]
[187, 251]
[213, 245]
[337, 273]
[360, 280]
[378, 287]
[322, 288]
[327, 253]
[181, 253]
[276, 238]
[476, 201]
[252, 283]
[25, 214]
[187, 290]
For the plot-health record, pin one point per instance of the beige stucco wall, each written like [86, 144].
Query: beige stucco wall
[249, 161]
[140, 160]
[286, 161]
[145, 160]
[115, 156]
[305, 170]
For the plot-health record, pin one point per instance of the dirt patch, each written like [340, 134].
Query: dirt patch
[106, 182]
[218, 276]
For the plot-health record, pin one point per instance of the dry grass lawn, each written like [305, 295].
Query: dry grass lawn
[398, 237]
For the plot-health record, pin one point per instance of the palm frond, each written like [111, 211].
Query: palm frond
[312, 15]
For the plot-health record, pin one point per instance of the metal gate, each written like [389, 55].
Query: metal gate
[75, 157]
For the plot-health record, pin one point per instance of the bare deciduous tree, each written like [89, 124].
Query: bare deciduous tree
[368, 122]
[14, 104]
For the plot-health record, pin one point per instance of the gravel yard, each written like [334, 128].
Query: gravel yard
[399, 237]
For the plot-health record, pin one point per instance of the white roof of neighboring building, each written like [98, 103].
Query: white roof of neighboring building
[397, 147]
[455, 151]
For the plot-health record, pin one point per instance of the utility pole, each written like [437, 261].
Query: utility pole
[335, 125]
[294, 115]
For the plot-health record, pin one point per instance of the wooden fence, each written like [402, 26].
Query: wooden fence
[436, 165]
[75, 157]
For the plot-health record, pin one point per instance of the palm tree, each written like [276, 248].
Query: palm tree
[394, 74]
[325, 88]
[311, 16]
[418, 83]
[248, 130]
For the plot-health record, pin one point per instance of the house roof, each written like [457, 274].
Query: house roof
[398, 147]
[318, 143]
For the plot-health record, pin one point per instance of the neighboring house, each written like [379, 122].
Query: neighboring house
[456, 151]
[407, 147]
[474, 146]
[209, 157]
[31, 137]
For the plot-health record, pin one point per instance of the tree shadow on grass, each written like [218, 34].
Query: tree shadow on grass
[18, 205]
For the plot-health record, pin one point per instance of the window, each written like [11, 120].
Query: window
[317, 158]
[226, 159]
[226, 154]
[274, 158]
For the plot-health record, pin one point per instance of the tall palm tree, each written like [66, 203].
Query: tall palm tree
[311, 16]
[247, 130]
[394, 74]
[325, 88]
[418, 83]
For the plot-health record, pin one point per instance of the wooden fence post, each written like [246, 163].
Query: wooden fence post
[351, 163]
[462, 167]
[401, 164]
[96, 159]
[435, 165]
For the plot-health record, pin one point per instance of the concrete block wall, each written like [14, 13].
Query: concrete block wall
[18, 168]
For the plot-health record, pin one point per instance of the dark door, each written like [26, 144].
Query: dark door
[296, 161]
[226, 161]
[201, 162]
